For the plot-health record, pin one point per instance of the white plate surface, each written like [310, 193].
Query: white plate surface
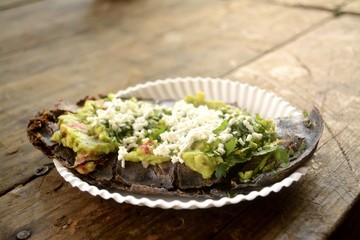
[253, 99]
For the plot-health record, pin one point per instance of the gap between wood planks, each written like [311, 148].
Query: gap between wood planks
[336, 13]
[280, 45]
[334, 136]
[337, 10]
[26, 181]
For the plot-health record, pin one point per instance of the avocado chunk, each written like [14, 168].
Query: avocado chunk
[75, 134]
[199, 99]
[144, 153]
[201, 163]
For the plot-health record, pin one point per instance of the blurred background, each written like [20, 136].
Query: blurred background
[80, 45]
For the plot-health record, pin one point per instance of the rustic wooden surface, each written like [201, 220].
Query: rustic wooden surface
[307, 52]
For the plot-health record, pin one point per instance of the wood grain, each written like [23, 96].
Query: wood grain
[64, 49]
[314, 73]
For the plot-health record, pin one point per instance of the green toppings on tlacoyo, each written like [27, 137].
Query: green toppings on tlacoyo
[193, 147]
[209, 137]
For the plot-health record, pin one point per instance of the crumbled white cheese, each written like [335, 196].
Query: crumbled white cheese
[248, 138]
[241, 141]
[163, 149]
[211, 138]
[224, 137]
[140, 123]
[248, 125]
[187, 124]
[232, 121]
[121, 154]
[221, 149]
[122, 115]
[257, 135]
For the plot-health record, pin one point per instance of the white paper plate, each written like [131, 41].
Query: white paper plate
[253, 99]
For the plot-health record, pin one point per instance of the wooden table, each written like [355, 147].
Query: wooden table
[307, 52]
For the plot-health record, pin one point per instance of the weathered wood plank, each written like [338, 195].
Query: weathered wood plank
[49, 207]
[309, 72]
[7, 4]
[352, 7]
[76, 40]
[69, 30]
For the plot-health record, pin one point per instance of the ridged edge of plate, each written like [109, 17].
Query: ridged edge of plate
[251, 98]
[174, 202]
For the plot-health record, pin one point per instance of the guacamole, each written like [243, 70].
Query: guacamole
[207, 136]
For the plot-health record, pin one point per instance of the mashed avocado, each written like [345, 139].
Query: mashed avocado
[199, 99]
[201, 163]
[78, 134]
[89, 142]
[144, 153]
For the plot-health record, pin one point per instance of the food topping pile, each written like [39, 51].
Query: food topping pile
[210, 137]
